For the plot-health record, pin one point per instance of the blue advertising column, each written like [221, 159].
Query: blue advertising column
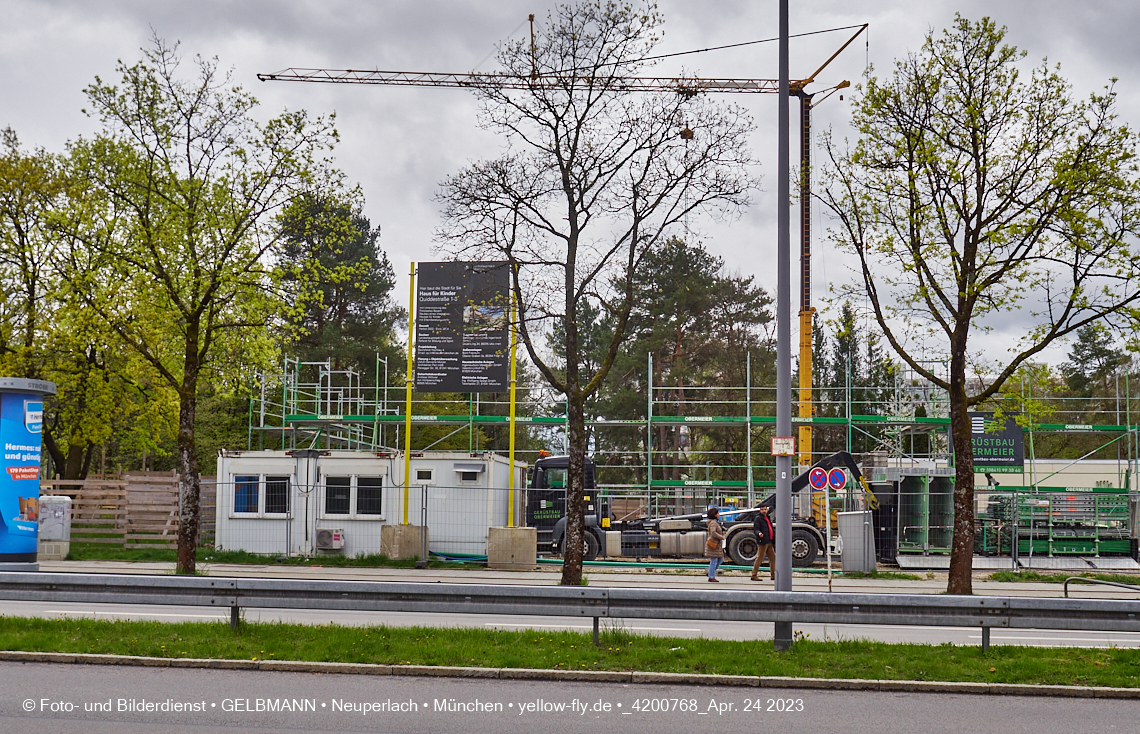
[21, 426]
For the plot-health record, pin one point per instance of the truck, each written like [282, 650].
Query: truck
[671, 536]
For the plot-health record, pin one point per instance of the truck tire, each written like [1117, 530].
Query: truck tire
[805, 547]
[742, 548]
[590, 547]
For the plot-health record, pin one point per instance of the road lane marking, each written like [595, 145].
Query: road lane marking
[668, 629]
[1056, 639]
[131, 614]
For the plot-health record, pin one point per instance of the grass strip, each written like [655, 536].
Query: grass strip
[882, 575]
[620, 649]
[1059, 578]
[105, 552]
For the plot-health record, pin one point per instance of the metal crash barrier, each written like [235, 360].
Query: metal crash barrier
[984, 612]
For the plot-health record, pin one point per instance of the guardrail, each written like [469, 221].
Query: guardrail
[984, 612]
[1083, 580]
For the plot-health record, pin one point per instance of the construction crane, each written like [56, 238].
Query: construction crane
[685, 86]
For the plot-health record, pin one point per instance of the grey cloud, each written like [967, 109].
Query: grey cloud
[400, 143]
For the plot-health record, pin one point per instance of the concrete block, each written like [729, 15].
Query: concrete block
[929, 686]
[834, 684]
[294, 666]
[512, 549]
[591, 676]
[19, 656]
[444, 671]
[696, 679]
[402, 541]
[1026, 689]
[211, 663]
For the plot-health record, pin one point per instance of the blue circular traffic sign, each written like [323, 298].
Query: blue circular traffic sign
[837, 478]
[817, 477]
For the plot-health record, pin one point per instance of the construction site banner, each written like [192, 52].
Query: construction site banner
[999, 446]
[462, 337]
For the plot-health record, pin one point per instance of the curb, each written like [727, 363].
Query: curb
[583, 676]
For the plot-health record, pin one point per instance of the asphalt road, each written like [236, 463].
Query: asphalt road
[668, 628]
[114, 700]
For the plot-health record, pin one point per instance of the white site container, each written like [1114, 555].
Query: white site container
[275, 502]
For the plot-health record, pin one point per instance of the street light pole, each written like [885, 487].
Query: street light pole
[783, 636]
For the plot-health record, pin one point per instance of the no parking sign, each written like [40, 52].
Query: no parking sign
[817, 477]
[837, 478]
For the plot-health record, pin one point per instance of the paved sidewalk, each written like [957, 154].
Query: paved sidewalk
[600, 576]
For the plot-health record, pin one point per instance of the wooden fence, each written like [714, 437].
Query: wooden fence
[137, 510]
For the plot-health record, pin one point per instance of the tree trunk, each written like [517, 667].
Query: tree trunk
[189, 507]
[575, 481]
[962, 549]
[74, 466]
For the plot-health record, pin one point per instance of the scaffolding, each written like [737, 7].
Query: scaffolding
[701, 444]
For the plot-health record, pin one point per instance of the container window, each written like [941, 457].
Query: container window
[277, 495]
[337, 491]
[368, 495]
[245, 493]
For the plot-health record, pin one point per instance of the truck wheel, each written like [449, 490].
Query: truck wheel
[742, 548]
[805, 548]
[590, 547]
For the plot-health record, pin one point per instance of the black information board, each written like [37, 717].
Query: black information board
[462, 337]
[997, 448]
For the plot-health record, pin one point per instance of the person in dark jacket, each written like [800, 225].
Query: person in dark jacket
[766, 543]
[714, 544]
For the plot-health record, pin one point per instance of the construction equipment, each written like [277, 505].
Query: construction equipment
[674, 535]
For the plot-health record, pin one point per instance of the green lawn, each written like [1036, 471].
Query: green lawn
[619, 650]
[1059, 578]
[881, 575]
[105, 552]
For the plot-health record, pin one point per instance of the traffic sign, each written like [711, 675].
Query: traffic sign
[817, 477]
[837, 478]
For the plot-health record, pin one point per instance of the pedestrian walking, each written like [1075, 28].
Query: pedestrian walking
[765, 543]
[714, 545]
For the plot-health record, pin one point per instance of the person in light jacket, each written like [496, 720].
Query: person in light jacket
[714, 545]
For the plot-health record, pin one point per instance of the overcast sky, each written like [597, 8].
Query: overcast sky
[399, 143]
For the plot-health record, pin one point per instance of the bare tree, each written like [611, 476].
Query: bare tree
[595, 177]
[975, 201]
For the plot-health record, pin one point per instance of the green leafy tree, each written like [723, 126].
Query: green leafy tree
[340, 284]
[172, 226]
[595, 177]
[44, 332]
[699, 323]
[1093, 359]
[976, 197]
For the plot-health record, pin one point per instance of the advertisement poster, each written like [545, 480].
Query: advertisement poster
[21, 421]
[462, 337]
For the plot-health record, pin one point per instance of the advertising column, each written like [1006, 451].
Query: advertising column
[21, 425]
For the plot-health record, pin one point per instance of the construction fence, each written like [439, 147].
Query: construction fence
[137, 510]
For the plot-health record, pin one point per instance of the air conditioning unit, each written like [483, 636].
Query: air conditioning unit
[330, 539]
